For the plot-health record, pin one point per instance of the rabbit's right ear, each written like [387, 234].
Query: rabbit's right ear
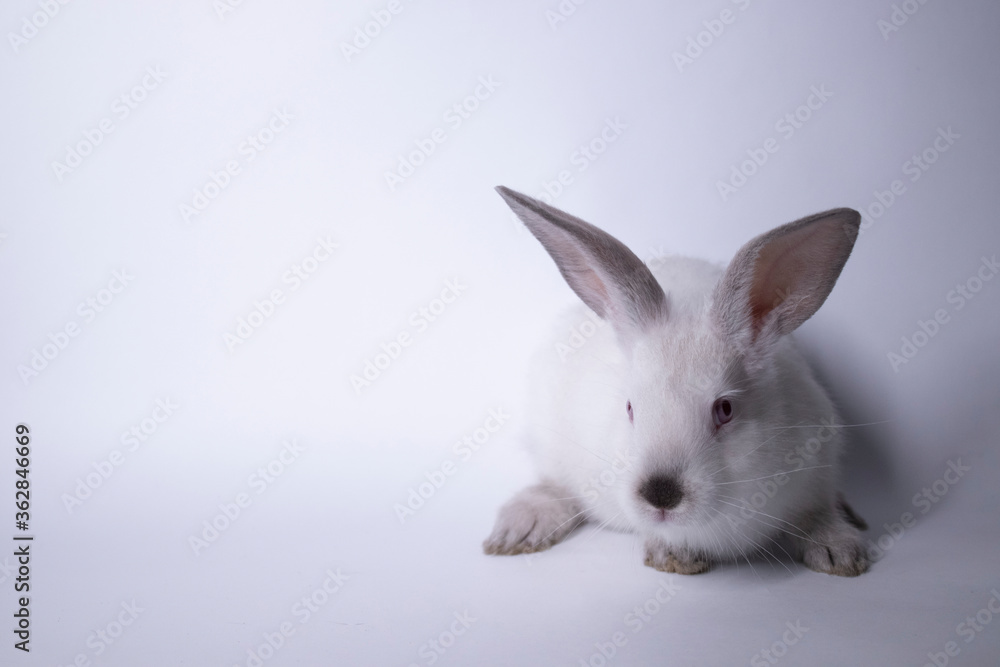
[600, 269]
[779, 279]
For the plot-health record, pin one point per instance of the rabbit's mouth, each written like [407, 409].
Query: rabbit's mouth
[662, 515]
[658, 518]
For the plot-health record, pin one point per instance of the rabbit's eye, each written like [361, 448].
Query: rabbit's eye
[722, 411]
[628, 409]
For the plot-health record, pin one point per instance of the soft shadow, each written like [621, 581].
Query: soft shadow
[960, 397]
[870, 479]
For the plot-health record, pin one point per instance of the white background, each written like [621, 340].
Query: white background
[687, 125]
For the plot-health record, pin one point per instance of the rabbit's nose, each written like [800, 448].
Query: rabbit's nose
[662, 492]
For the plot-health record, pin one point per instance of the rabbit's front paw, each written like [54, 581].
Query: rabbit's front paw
[533, 520]
[665, 558]
[835, 547]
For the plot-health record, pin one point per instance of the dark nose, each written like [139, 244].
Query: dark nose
[662, 492]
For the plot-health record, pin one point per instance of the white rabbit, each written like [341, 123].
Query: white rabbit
[692, 419]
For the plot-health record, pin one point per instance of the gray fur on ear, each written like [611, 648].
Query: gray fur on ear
[779, 279]
[600, 269]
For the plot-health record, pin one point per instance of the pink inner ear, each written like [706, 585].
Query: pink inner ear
[592, 282]
[605, 274]
[788, 272]
[779, 279]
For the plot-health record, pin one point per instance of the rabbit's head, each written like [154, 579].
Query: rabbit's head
[706, 394]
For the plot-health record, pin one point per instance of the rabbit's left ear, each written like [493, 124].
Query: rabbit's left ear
[779, 279]
[600, 268]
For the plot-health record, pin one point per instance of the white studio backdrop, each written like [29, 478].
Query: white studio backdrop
[252, 250]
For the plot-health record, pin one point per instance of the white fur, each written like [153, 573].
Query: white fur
[579, 427]
[672, 351]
